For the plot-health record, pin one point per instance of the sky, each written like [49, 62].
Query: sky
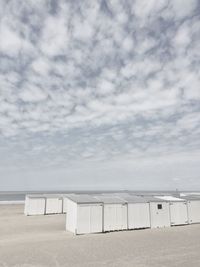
[101, 94]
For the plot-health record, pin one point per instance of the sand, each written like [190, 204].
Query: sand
[42, 241]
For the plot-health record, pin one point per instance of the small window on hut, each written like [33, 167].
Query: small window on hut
[159, 206]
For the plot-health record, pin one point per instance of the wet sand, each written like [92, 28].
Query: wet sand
[41, 241]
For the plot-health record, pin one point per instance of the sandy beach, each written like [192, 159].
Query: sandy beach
[41, 241]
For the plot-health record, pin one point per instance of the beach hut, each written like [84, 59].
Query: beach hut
[54, 204]
[84, 214]
[159, 212]
[193, 205]
[138, 212]
[34, 205]
[114, 213]
[178, 210]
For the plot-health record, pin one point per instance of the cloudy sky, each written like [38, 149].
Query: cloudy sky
[99, 94]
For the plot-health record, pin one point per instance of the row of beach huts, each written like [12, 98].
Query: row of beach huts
[96, 213]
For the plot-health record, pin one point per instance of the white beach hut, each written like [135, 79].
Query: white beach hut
[138, 212]
[178, 210]
[84, 214]
[193, 205]
[159, 212]
[54, 204]
[34, 205]
[114, 213]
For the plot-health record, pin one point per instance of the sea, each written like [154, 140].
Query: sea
[12, 197]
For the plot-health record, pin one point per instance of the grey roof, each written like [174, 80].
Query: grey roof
[35, 196]
[120, 198]
[170, 198]
[81, 199]
[135, 199]
[110, 199]
[106, 199]
[191, 198]
[45, 196]
[154, 193]
[153, 199]
[123, 194]
[53, 195]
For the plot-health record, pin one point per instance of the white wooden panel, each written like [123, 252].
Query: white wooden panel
[65, 205]
[26, 206]
[83, 219]
[115, 217]
[160, 217]
[178, 213]
[109, 217]
[60, 205]
[138, 215]
[36, 206]
[194, 211]
[53, 205]
[121, 211]
[96, 219]
[89, 219]
[71, 217]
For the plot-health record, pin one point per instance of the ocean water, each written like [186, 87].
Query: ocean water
[16, 196]
[20, 196]
[12, 196]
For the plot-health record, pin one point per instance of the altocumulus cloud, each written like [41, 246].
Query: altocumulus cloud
[99, 93]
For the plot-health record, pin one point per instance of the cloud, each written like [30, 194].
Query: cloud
[128, 44]
[183, 8]
[41, 66]
[11, 43]
[32, 94]
[55, 38]
[144, 10]
[98, 81]
[182, 38]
